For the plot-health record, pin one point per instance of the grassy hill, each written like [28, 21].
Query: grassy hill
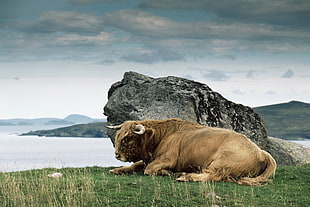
[287, 120]
[95, 186]
[97, 130]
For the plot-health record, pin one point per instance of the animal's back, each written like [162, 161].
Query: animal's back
[200, 147]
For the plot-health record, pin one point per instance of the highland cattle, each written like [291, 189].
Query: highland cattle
[193, 151]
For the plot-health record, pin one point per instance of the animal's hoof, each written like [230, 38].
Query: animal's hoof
[163, 172]
[181, 179]
[115, 171]
[184, 178]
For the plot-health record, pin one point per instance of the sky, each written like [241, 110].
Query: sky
[60, 57]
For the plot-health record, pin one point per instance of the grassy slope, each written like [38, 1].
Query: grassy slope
[95, 186]
[287, 120]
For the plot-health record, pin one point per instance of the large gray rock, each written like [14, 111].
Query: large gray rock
[139, 97]
[288, 153]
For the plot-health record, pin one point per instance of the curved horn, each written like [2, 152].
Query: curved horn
[139, 129]
[115, 127]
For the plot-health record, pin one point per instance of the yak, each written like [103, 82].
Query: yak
[192, 151]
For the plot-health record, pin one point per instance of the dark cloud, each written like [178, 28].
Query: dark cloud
[79, 29]
[215, 75]
[63, 21]
[224, 31]
[147, 58]
[227, 57]
[288, 74]
[169, 55]
[161, 55]
[10, 9]
[91, 1]
[278, 12]
[173, 4]
[106, 62]
[146, 24]
[143, 23]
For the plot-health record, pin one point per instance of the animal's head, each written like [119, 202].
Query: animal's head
[130, 141]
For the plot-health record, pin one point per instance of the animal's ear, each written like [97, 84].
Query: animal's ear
[148, 141]
[148, 134]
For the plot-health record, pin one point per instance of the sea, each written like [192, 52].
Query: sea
[19, 153]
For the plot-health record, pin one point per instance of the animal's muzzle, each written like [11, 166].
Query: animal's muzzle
[117, 155]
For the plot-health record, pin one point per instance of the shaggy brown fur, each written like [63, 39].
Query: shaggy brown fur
[199, 153]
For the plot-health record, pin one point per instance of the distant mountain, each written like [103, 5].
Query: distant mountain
[69, 120]
[40, 121]
[96, 130]
[287, 120]
[79, 119]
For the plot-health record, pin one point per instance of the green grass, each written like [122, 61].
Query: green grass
[95, 186]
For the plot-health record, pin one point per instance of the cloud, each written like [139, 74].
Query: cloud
[278, 12]
[152, 32]
[63, 21]
[145, 24]
[250, 74]
[106, 62]
[169, 55]
[172, 4]
[228, 57]
[238, 92]
[288, 74]
[10, 78]
[91, 1]
[215, 75]
[149, 57]
[145, 57]
[188, 76]
[73, 39]
[149, 32]
[271, 93]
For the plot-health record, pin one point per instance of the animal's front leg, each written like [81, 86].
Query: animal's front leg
[136, 167]
[158, 167]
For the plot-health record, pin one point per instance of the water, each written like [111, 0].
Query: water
[303, 142]
[31, 152]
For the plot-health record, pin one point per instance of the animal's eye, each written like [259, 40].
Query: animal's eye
[123, 141]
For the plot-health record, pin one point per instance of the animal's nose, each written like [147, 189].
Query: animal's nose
[117, 155]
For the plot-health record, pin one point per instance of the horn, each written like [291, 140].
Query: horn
[139, 129]
[115, 127]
